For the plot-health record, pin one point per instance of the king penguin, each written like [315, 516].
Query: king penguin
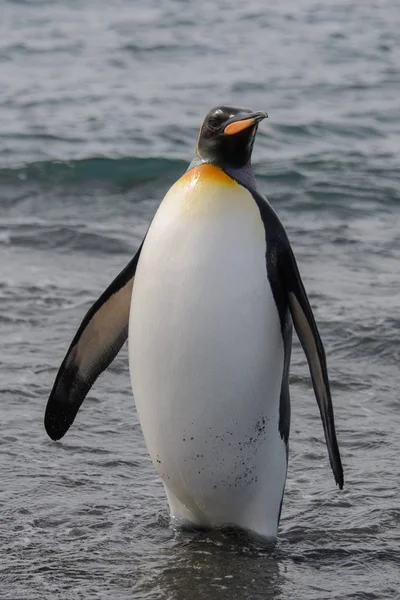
[209, 301]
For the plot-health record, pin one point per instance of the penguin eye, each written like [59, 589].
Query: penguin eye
[214, 124]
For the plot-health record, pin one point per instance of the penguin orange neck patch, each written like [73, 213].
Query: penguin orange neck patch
[207, 173]
[204, 192]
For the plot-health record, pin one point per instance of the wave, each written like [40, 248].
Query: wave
[126, 172]
[56, 236]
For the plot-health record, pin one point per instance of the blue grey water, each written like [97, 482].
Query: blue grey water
[100, 104]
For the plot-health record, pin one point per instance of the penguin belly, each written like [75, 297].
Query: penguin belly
[206, 356]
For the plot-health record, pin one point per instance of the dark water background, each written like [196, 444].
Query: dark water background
[100, 104]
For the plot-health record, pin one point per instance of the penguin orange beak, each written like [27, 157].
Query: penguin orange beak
[241, 124]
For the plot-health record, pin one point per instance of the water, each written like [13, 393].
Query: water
[100, 104]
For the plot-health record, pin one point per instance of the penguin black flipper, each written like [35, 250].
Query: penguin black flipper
[97, 342]
[282, 266]
[308, 334]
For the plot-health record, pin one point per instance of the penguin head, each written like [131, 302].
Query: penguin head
[227, 136]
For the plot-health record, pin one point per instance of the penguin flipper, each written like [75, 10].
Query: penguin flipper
[307, 331]
[97, 342]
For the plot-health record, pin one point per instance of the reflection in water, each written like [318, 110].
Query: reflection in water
[222, 565]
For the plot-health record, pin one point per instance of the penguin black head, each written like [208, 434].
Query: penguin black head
[227, 136]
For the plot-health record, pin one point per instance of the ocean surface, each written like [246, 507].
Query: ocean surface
[100, 105]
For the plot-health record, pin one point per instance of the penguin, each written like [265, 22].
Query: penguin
[209, 301]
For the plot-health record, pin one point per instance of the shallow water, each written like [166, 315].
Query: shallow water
[99, 109]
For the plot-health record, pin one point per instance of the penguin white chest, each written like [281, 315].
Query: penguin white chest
[205, 348]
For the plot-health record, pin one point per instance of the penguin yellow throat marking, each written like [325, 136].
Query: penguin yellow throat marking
[205, 192]
[206, 174]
